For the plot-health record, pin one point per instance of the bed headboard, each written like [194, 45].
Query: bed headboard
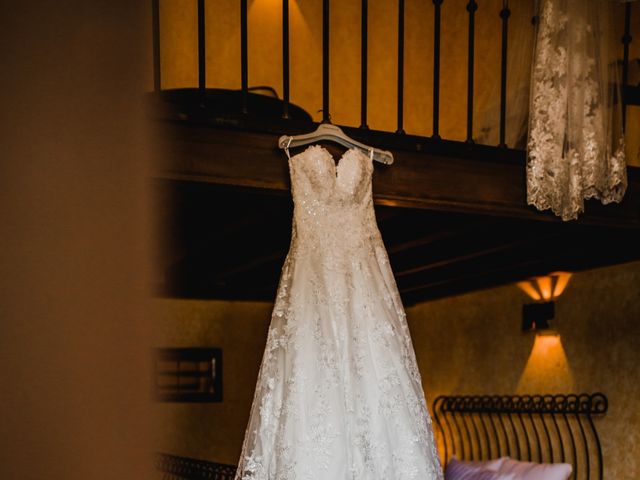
[539, 428]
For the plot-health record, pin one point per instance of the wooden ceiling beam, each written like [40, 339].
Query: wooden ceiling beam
[224, 275]
[423, 180]
[475, 254]
[568, 255]
[422, 241]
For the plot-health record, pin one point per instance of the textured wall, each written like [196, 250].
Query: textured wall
[472, 344]
[212, 430]
[466, 344]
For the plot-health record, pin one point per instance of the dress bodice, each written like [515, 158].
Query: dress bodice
[332, 202]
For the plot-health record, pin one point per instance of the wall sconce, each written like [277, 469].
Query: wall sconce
[187, 374]
[544, 290]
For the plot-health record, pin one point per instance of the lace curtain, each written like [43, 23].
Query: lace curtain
[576, 143]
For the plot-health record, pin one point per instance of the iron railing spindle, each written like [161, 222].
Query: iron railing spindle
[364, 62]
[326, 116]
[244, 57]
[436, 68]
[285, 58]
[472, 6]
[202, 73]
[400, 107]
[504, 14]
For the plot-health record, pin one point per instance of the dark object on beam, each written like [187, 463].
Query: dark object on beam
[227, 107]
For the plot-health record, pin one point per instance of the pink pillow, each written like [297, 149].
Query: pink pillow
[458, 470]
[536, 471]
[494, 465]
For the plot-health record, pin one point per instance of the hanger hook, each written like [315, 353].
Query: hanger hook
[286, 149]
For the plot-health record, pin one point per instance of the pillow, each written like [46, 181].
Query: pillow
[536, 471]
[458, 470]
[494, 465]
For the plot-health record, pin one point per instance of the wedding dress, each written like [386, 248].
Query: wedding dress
[339, 395]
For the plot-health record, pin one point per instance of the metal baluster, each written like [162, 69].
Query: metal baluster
[326, 117]
[504, 14]
[155, 19]
[400, 65]
[244, 62]
[472, 6]
[285, 58]
[363, 64]
[202, 74]
[436, 69]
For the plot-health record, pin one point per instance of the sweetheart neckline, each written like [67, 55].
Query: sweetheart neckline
[335, 161]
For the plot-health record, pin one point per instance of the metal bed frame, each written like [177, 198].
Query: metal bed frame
[540, 428]
[173, 467]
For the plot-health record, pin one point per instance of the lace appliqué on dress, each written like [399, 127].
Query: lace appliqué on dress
[576, 145]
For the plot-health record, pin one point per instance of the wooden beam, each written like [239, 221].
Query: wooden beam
[569, 254]
[417, 179]
[474, 255]
[223, 275]
[422, 241]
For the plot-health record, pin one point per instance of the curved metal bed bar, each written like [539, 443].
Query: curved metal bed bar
[540, 428]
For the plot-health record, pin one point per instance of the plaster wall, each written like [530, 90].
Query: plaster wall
[469, 344]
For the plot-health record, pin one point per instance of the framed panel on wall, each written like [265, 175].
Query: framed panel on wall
[187, 374]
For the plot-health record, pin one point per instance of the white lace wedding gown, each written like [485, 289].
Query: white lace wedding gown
[339, 395]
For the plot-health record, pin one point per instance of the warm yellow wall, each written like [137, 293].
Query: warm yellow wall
[472, 344]
[466, 344]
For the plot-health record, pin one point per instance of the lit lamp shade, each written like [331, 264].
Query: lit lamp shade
[544, 290]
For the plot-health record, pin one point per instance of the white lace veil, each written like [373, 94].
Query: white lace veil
[576, 144]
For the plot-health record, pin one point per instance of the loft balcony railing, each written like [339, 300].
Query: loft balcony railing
[244, 109]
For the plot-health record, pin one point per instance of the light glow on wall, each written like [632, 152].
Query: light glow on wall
[547, 369]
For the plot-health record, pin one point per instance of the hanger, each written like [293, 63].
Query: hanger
[328, 131]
